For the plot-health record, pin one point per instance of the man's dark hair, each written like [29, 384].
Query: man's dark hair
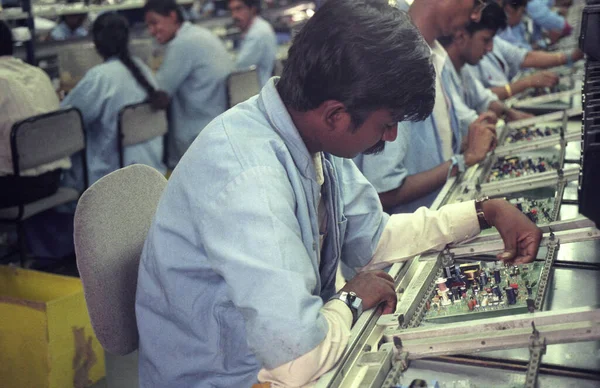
[514, 3]
[6, 39]
[251, 3]
[492, 18]
[164, 8]
[365, 54]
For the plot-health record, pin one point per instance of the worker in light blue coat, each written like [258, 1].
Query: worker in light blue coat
[500, 66]
[420, 148]
[258, 46]
[545, 19]
[71, 26]
[236, 281]
[104, 90]
[193, 72]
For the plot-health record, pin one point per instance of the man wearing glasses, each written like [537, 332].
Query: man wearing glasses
[410, 172]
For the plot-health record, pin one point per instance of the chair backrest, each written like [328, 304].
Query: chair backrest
[241, 85]
[77, 58]
[112, 220]
[46, 138]
[139, 123]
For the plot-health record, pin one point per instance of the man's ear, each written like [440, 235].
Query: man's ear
[335, 116]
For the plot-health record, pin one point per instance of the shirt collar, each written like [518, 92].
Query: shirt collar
[282, 123]
[438, 55]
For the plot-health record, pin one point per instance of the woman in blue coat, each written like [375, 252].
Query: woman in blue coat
[105, 89]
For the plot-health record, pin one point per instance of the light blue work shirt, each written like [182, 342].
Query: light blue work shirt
[517, 35]
[258, 48]
[472, 93]
[544, 18]
[194, 74]
[417, 148]
[63, 32]
[100, 95]
[500, 66]
[230, 280]
[540, 11]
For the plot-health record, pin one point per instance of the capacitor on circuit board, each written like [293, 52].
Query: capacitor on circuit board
[511, 295]
[497, 277]
[483, 278]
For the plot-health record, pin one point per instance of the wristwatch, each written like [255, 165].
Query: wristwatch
[483, 224]
[353, 302]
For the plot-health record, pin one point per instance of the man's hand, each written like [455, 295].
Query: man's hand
[515, 115]
[521, 236]
[481, 139]
[374, 287]
[542, 79]
[576, 55]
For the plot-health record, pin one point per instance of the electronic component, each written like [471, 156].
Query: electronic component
[514, 167]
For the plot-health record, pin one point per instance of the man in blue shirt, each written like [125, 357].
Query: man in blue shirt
[236, 279]
[70, 27]
[193, 72]
[259, 44]
[468, 46]
[410, 172]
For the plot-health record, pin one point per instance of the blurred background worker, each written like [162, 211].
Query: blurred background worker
[104, 90]
[70, 26]
[258, 46]
[194, 74]
[25, 91]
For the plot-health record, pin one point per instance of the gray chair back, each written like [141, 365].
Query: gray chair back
[112, 220]
[241, 85]
[46, 138]
[139, 123]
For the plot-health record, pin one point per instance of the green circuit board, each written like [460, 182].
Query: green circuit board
[472, 292]
[539, 211]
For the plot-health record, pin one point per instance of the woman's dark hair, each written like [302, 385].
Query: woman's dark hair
[365, 54]
[164, 8]
[111, 37]
[6, 39]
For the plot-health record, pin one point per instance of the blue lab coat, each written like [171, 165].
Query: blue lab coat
[474, 95]
[100, 95]
[498, 67]
[229, 279]
[417, 148]
[258, 48]
[194, 73]
[517, 35]
[63, 32]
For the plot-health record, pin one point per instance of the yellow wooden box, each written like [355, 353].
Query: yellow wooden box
[46, 338]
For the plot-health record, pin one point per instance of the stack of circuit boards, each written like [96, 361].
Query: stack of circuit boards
[516, 166]
[529, 133]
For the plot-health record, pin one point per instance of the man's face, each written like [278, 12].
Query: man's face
[477, 45]
[74, 21]
[370, 137]
[241, 14]
[514, 16]
[456, 14]
[162, 28]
